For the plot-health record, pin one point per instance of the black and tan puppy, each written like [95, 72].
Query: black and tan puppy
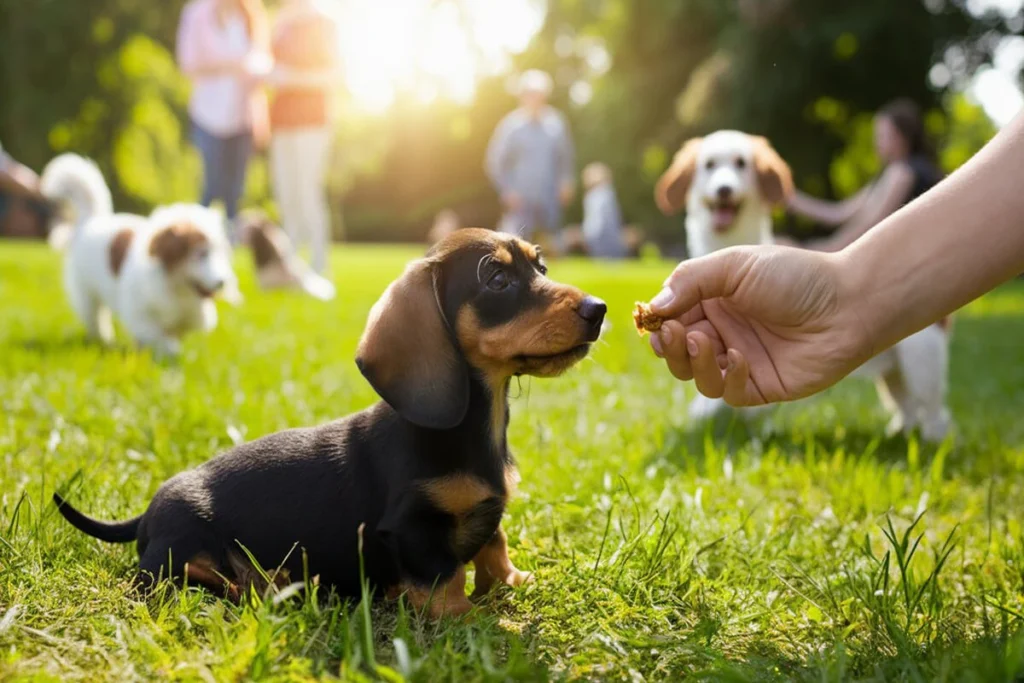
[428, 471]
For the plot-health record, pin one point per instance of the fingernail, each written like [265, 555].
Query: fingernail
[664, 298]
[666, 335]
[730, 364]
[691, 347]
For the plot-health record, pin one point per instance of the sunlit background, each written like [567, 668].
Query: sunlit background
[424, 83]
[430, 49]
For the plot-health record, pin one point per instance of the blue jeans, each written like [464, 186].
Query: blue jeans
[224, 164]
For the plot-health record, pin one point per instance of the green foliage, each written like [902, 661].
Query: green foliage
[806, 548]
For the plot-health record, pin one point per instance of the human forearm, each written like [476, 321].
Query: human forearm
[823, 211]
[947, 248]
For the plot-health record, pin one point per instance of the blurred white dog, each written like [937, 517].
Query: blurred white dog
[728, 182]
[157, 274]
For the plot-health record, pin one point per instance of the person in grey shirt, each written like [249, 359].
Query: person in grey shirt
[530, 161]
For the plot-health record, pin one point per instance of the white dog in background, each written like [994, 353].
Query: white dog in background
[158, 275]
[728, 182]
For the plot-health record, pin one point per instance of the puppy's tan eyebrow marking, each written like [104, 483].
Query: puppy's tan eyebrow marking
[503, 255]
[530, 251]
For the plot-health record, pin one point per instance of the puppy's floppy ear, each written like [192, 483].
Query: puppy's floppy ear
[408, 355]
[673, 186]
[172, 244]
[774, 178]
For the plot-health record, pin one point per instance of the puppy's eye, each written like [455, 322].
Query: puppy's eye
[498, 282]
[542, 267]
[710, 164]
[203, 254]
[741, 163]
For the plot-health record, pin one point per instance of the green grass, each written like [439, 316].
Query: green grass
[806, 547]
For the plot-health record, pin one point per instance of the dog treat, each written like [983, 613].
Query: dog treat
[645, 319]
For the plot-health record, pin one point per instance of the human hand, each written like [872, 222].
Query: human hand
[258, 66]
[512, 200]
[782, 323]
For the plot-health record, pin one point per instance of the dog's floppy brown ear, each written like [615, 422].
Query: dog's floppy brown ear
[774, 178]
[673, 186]
[408, 354]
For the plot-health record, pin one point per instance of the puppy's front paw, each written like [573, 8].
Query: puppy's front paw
[517, 578]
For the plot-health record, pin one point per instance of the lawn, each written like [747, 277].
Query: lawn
[804, 547]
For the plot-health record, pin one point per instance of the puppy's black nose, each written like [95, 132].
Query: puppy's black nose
[724, 192]
[592, 310]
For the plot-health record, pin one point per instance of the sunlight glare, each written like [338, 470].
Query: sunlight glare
[429, 49]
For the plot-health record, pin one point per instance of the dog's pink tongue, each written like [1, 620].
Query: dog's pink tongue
[724, 216]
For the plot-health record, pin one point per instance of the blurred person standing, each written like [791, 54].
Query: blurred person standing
[530, 162]
[602, 217]
[305, 48]
[224, 49]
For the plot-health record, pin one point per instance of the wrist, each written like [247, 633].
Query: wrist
[864, 301]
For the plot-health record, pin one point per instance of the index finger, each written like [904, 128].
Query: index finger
[695, 281]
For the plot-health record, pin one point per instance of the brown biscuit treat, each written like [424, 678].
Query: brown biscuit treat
[645, 319]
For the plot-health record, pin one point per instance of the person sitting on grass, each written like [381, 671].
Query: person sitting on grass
[602, 218]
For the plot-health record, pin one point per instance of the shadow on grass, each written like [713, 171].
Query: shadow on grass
[71, 345]
[704, 446]
[68, 344]
[984, 660]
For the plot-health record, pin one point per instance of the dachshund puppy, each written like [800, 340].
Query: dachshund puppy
[423, 477]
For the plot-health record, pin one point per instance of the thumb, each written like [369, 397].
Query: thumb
[697, 280]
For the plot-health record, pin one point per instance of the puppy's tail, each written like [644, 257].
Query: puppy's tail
[77, 181]
[111, 532]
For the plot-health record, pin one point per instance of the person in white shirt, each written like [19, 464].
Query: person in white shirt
[223, 47]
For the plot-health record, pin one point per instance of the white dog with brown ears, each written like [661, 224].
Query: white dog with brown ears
[158, 275]
[728, 183]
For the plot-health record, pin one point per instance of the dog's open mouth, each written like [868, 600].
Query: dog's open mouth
[202, 291]
[723, 214]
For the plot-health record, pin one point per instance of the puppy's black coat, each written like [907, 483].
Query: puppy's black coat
[427, 471]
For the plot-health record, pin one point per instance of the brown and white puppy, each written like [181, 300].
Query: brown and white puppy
[157, 274]
[418, 482]
[728, 182]
[277, 265]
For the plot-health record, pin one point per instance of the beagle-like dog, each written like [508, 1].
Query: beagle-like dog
[422, 477]
[277, 264]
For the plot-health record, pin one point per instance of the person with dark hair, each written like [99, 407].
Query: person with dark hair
[224, 49]
[910, 170]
